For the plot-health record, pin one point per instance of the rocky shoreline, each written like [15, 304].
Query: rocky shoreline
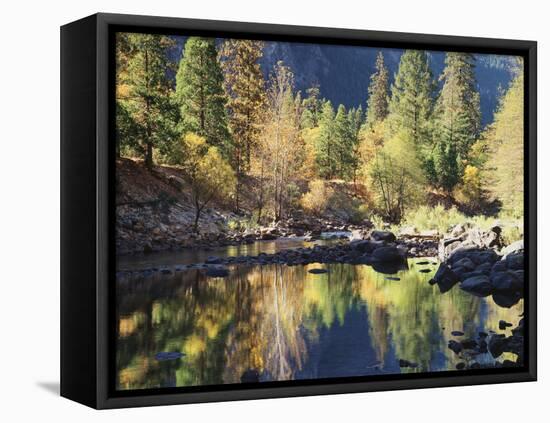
[482, 265]
[475, 259]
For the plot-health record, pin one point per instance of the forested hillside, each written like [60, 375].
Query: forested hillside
[342, 72]
[281, 140]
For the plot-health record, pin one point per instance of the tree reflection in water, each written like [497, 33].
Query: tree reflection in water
[285, 323]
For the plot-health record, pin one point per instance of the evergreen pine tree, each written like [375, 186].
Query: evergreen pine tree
[145, 114]
[200, 94]
[458, 115]
[326, 150]
[343, 142]
[412, 99]
[377, 109]
[245, 87]
[312, 105]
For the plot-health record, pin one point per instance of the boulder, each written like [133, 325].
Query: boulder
[388, 254]
[365, 246]
[499, 266]
[460, 228]
[385, 236]
[445, 278]
[447, 246]
[506, 281]
[477, 285]
[477, 255]
[465, 263]
[514, 261]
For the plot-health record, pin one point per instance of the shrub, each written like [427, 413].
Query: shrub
[317, 199]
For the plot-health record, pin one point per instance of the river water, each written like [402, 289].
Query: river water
[286, 323]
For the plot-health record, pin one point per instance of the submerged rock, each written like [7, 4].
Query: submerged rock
[317, 271]
[250, 376]
[503, 324]
[455, 346]
[407, 363]
[165, 356]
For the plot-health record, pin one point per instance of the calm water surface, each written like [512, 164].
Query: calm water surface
[287, 323]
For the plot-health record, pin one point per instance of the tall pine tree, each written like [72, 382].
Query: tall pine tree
[343, 138]
[145, 113]
[245, 87]
[412, 98]
[458, 117]
[326, 149]
[377, 108]
[312, 105]
[200, 94]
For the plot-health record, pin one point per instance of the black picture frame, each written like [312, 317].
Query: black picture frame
[87, 212]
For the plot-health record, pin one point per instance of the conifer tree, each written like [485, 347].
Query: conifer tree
[312, 105]
[145, 113]
[344, 143]
[326, 149]
[200, 94]
[377, 108]
[355, 118]
[458, 116]
[245, 87]
[412, 99]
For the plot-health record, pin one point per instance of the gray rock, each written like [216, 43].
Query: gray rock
[499, 266]
[514, 247]
[506, 281]
[514, 261]
[385, 236]
[465, 262]
[477, 285]
[365, 246]
[317, 271]
[445, 278]
[388, 254]
[460, 228]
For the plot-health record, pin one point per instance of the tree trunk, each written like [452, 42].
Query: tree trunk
[196, 223]
[149, 156]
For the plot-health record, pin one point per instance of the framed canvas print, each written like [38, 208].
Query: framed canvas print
[255, 211]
